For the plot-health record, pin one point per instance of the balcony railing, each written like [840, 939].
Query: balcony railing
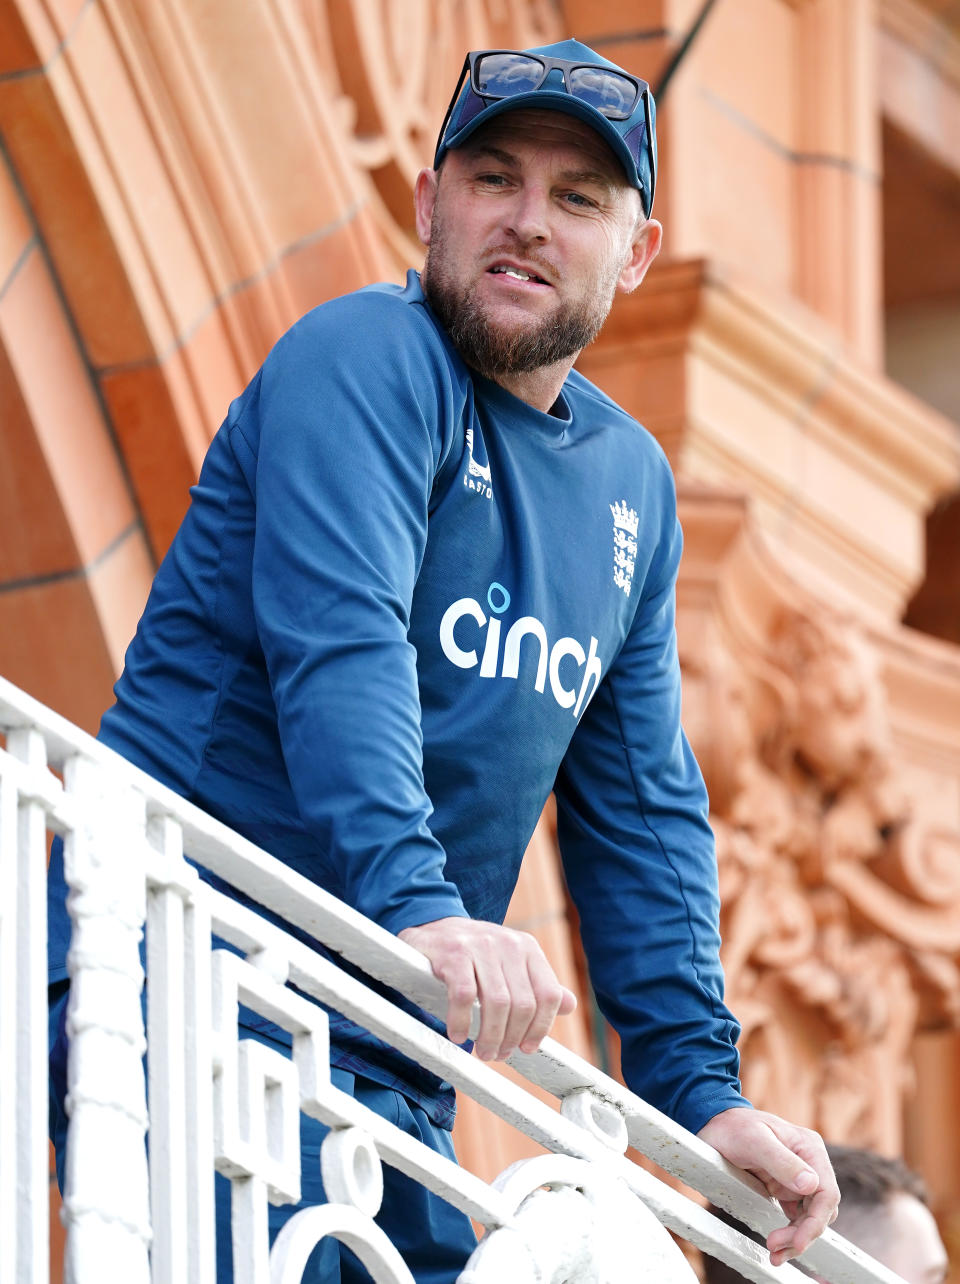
[217, 1102]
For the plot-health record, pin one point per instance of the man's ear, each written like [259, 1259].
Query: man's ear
[424, 199]
[645, 248]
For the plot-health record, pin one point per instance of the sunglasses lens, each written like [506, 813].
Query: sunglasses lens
[501, 75]
[610, 94]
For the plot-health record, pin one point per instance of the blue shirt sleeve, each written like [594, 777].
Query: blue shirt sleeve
[640, 862]
[350, 438]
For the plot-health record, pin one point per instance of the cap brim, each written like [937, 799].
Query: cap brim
[566, 103]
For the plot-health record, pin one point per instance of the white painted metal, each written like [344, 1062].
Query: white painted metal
[306, 1229]
[10, 952]
[180, 1084]
[105, 1202]
[33, 1231]
[230, 1104]
[573, 1221]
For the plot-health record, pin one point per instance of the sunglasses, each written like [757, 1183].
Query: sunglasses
[495, 74]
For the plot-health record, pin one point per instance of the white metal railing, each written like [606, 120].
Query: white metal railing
[217, 1102]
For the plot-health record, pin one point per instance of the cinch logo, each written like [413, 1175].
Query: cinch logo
[505, 661]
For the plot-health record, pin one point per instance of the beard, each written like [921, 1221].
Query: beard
[497, 350]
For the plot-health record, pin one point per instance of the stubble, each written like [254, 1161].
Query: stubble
[496, 350]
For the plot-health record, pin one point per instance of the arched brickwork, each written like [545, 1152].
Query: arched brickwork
[174, 193]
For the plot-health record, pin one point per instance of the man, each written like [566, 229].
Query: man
[426, 577]
[883, 1210]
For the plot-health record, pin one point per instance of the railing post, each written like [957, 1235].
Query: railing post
[180, 1063]
[24, 1188]
[106, 1200]
[33, 1239]
[9, 983]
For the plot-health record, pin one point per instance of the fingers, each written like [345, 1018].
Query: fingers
[552, 998]
[496, 1002]
[800, 1232]
[506, 970]
[808, 1219]
[457, 972]
[791, 1162]
[535, 996]
[801, 1154]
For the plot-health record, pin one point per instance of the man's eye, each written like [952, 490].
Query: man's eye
[578, 199]
[492, 180]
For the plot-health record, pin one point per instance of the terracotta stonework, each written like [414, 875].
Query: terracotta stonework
[181, 179]
[840, 889]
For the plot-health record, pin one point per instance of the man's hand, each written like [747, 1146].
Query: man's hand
[791, 1162]
[506, 970]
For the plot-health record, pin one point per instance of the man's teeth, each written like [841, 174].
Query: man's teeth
[520, 275]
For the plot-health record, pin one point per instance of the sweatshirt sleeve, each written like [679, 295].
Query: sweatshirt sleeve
[640, 862]
[350, 409]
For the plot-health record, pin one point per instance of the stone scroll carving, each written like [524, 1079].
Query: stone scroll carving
[392, 68]
[841, 906]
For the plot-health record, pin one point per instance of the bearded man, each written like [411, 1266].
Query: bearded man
[427, 576]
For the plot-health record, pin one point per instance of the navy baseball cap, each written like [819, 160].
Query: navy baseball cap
[568, 77]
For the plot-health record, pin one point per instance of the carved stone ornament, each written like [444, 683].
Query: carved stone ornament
[841, 907]
[392, 68]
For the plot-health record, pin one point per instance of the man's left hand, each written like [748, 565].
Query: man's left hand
[793, 1165]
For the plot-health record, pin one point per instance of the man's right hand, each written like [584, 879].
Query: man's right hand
[506, 970]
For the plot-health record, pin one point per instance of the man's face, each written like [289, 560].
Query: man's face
[900, 1234]
[531, 228]
[913, 1247]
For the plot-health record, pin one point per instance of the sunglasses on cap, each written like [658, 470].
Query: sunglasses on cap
[619, 106]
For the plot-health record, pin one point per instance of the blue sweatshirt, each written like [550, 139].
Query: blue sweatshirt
[402, 607]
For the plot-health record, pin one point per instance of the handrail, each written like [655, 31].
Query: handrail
[127, 837]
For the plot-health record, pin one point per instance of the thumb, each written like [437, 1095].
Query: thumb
[751, 1140]
[804, 1182]
[781, 1158]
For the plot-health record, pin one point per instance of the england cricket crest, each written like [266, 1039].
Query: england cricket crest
[625, 522]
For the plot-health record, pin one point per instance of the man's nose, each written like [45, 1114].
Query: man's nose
[529, 215]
